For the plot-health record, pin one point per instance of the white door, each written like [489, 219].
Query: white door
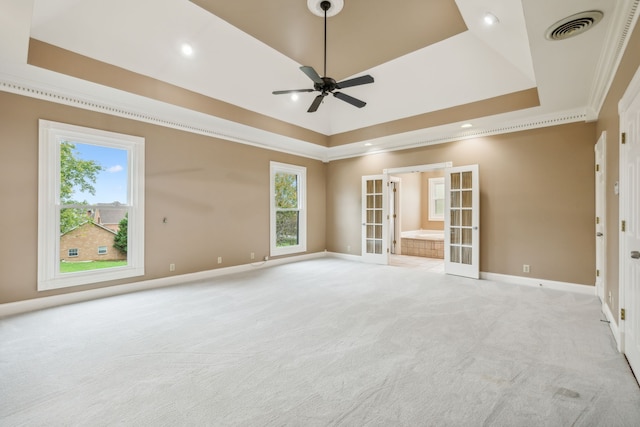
[462, 221]
[600, 148]
[375, 208]
[630, 237]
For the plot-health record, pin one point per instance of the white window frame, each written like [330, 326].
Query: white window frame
[76, 250]
[301, 173]
[432, 200]
[106, 250]
[51, 135]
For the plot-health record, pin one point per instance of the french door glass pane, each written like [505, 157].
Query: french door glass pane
[371, 204]
[455, 217]
[455, 254]
[467, 218]
[466, 255]
[455, 181]
[371, 231]
[467, 181]
[455, 236]
[466, 236]
[466, 199]
[455, 199]
[371, 247]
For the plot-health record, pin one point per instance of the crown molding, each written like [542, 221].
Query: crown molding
[146, 110]
[489, 126]
[159, 113]
[624, 20]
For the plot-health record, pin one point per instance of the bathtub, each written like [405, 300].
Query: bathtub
[424, 243]
[423, 234]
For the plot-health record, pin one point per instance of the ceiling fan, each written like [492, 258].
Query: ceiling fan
[327, 85]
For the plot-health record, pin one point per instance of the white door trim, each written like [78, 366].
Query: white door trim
[394, 223]
[411, 169]
[418, 168]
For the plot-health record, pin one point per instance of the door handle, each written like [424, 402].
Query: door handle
[599, 234]
[635, 254]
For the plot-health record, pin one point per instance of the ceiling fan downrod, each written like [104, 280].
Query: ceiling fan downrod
[325, 5]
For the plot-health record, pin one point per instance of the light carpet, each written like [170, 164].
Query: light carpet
[315, 343]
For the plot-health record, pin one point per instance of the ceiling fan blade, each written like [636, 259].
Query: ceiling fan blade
[315, 104]
[350, 99]
[357, 81]
[312, 74]
[282, 92]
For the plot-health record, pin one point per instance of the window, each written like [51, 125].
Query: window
[91, 193]
[288, 209]
[436, 199]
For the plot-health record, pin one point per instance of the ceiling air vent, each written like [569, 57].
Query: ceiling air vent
[573, 25]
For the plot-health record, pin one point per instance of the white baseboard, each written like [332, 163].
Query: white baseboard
[18, 307]
[348, 257]
[12, 308]
[613, 324]
[540, 283]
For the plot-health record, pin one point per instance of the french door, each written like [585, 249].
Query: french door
[375, 221]
[462, 220]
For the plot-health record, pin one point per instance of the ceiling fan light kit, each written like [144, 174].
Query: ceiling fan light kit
[327, 85]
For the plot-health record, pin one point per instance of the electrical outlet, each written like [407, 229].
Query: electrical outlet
[266, 258]
[219, 260]
[348, 248]
[253, 255]
[526, 268]
[172, 267]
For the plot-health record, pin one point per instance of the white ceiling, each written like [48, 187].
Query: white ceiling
[145, 36]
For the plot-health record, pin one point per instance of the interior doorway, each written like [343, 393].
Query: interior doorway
[416, 216]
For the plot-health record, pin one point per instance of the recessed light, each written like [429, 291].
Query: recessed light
[186, 49]
[294, 96]
[466, 125]
[490, 19]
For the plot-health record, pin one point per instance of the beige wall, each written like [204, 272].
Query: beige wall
[214, 193]
[536, 204]
[609, 121]
[410, 201]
